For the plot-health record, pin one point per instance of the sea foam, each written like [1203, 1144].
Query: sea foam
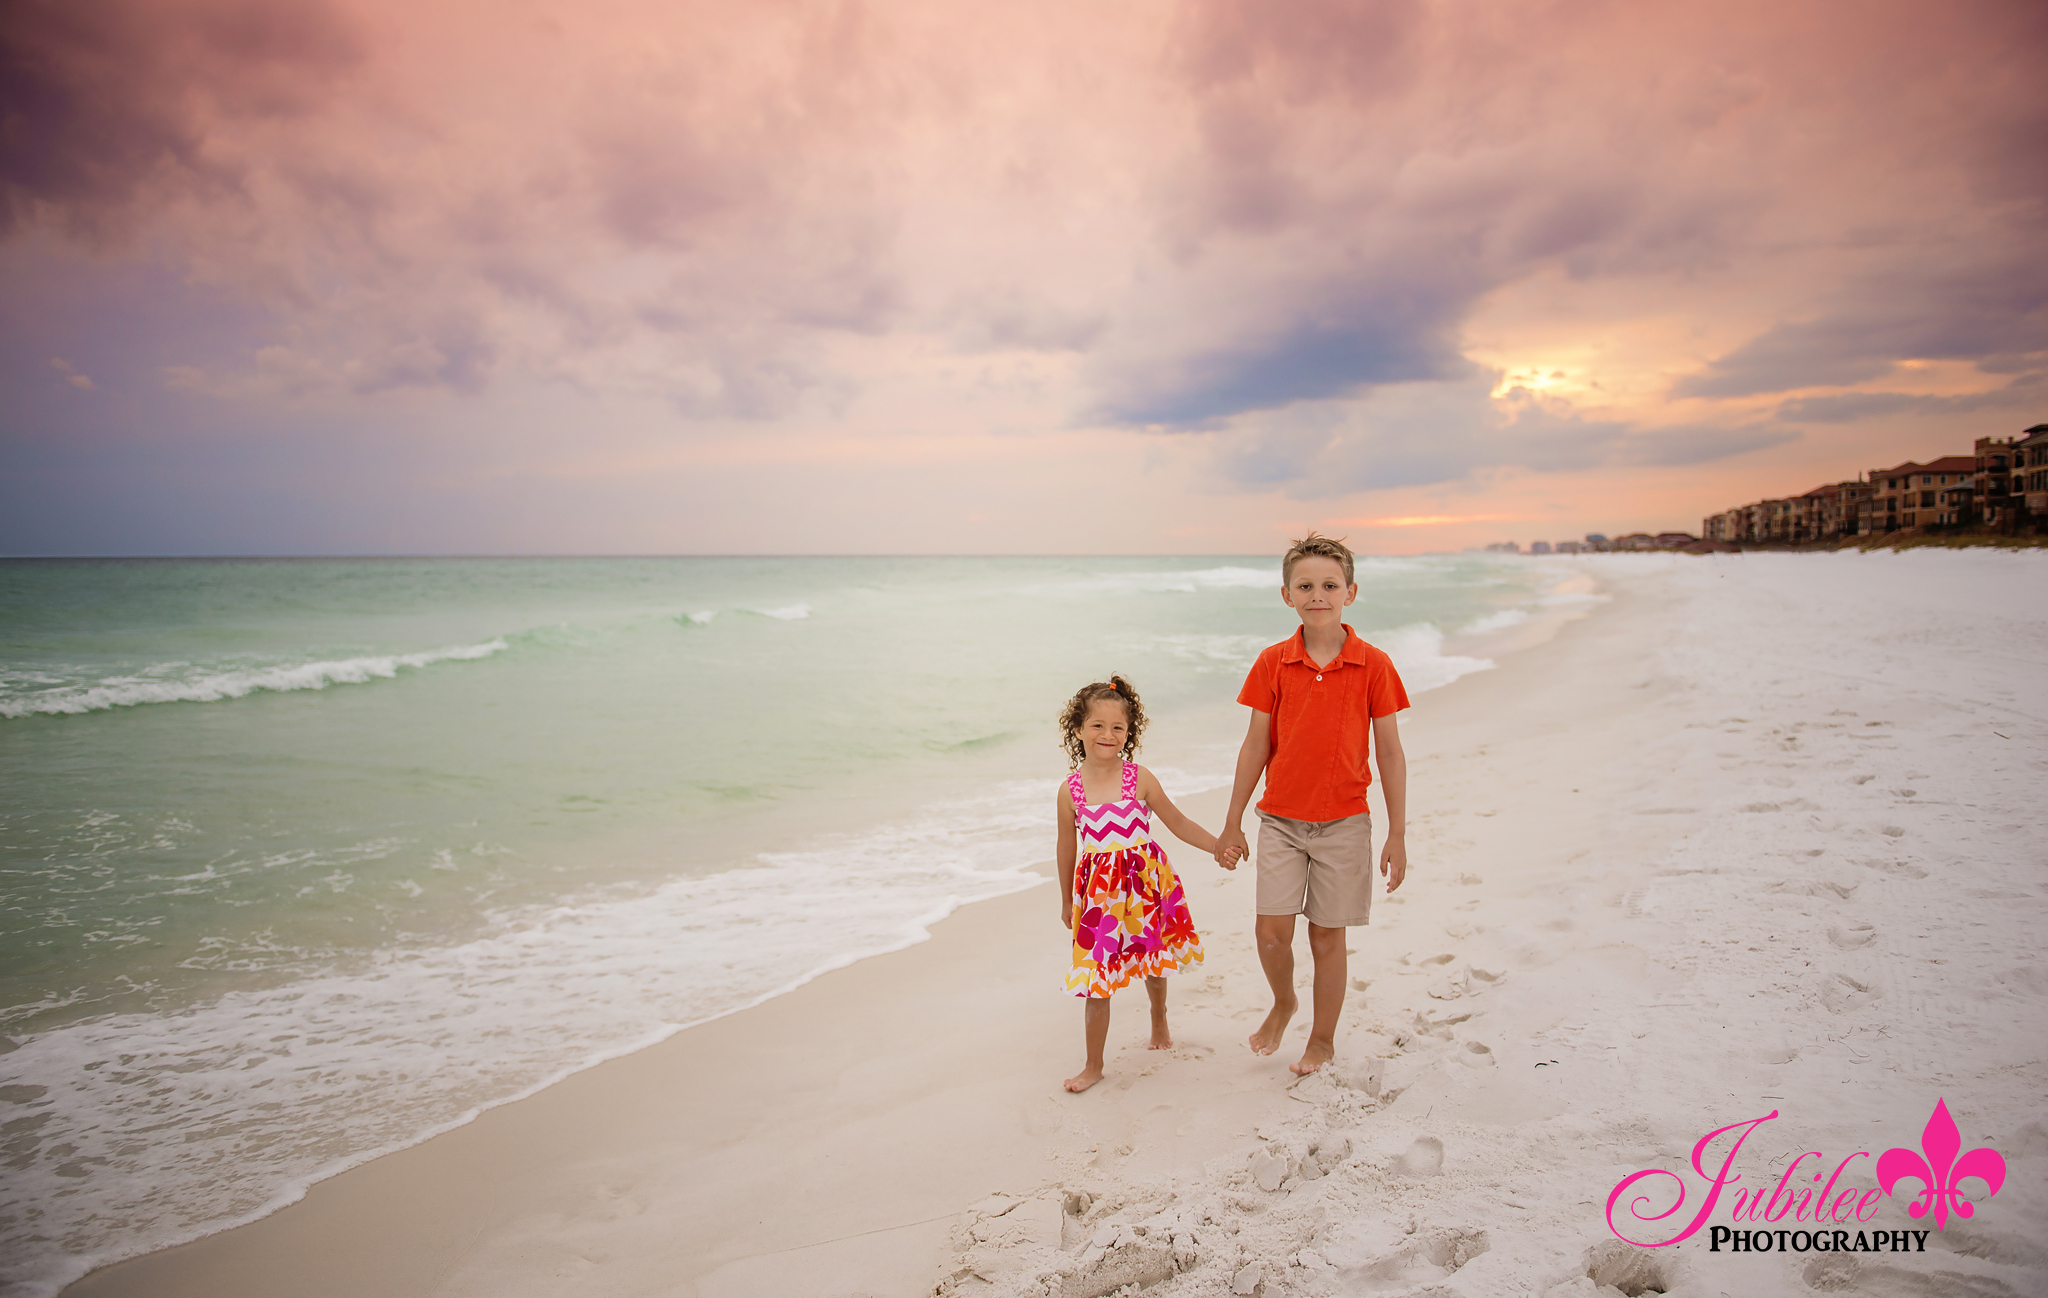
[213, 686]
[454, 1030]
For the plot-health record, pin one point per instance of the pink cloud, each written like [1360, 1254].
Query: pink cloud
[1267, 230]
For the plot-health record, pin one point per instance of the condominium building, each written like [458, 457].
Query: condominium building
[2030, 469]
[1993, 500]
[1921, 495]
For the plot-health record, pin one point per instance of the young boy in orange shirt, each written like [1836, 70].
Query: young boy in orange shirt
[1321, 701]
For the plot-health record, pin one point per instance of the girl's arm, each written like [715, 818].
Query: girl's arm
[1063, 816]
[1187, 831]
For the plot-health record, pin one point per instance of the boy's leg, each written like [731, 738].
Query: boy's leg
[1283, 865]
[1276, 957]
[1340, 883]
[1162, 1036]
[1095, 1026]
[1332, 965]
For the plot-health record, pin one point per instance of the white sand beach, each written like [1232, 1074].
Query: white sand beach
[1760, 832]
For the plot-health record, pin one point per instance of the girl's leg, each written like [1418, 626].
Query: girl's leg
[1095, 1022]
[1162, 1039]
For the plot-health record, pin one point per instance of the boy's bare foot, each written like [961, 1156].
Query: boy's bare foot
[1313, 1058]
[1267, 1039]
[1162, 1039]
[1084, 1079]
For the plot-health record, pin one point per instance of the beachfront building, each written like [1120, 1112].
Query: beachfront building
[1991, 485]
[1722, 527]
[1765, 521]
[1841, 508]
[2030, 470]
[1539, 547]
[1828, 512]
[1804, 523]
[1909, 496]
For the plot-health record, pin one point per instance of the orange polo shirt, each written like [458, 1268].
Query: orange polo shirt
[1322, 725]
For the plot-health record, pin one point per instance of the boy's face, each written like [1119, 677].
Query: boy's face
[1316, 590]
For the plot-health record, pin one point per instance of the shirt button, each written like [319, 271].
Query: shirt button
[1319, 675]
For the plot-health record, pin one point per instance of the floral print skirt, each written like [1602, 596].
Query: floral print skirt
[1130, 920]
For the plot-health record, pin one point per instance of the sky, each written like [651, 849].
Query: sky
[1164, 276]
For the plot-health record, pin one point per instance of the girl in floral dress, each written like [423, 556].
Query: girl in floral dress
[1119, 899]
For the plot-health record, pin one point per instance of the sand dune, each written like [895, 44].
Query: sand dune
[1763, 833]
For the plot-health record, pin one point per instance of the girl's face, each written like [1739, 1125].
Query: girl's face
[1105, 728]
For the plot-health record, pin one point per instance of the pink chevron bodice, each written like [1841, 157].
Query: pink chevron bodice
[1111, 826]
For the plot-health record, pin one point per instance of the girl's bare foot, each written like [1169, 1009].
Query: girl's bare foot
[1162, 1039]
[1084, 1079]
[1313, 1058]
[1267, 1039]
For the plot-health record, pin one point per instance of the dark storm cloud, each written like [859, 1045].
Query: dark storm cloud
[1380, 337]
[1989, 308]
[1339, 133]
[2027, 391]
[101, 100]
[1425, 434]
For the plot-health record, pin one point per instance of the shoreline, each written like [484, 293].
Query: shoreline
[1182, 739]
[1508, 647]
[897, 1123]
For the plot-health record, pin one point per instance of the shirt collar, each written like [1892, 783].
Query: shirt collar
[1296, 650]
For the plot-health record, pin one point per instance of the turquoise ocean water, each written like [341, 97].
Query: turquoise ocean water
[303, 860]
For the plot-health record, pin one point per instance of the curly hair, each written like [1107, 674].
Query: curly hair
[1317, 546]
[1076, 711]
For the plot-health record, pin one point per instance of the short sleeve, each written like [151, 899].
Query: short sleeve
[1260, 693]
[1384, 693]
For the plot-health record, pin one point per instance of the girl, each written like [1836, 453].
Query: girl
[1123, 906]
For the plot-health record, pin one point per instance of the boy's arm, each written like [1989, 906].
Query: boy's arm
[1068, 851]
[1393, 763]
[1251, 764]
[1187, 831]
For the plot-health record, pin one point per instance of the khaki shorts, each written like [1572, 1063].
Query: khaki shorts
[1319, 869]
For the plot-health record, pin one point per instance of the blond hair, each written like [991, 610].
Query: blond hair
[1317, 546]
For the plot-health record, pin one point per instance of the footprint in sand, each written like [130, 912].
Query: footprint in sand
[1615, 1266]
[1851, 937]
[1844, 993]
[1425, 1258]
[1423, 1158]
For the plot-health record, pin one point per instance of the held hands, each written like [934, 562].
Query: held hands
[1231, 848]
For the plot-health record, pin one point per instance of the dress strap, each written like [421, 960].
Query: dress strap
[1130, 789]
[1079, 793]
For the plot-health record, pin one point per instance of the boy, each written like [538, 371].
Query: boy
[1315, 699]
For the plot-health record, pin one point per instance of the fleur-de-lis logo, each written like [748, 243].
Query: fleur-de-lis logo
[1941, 1173]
